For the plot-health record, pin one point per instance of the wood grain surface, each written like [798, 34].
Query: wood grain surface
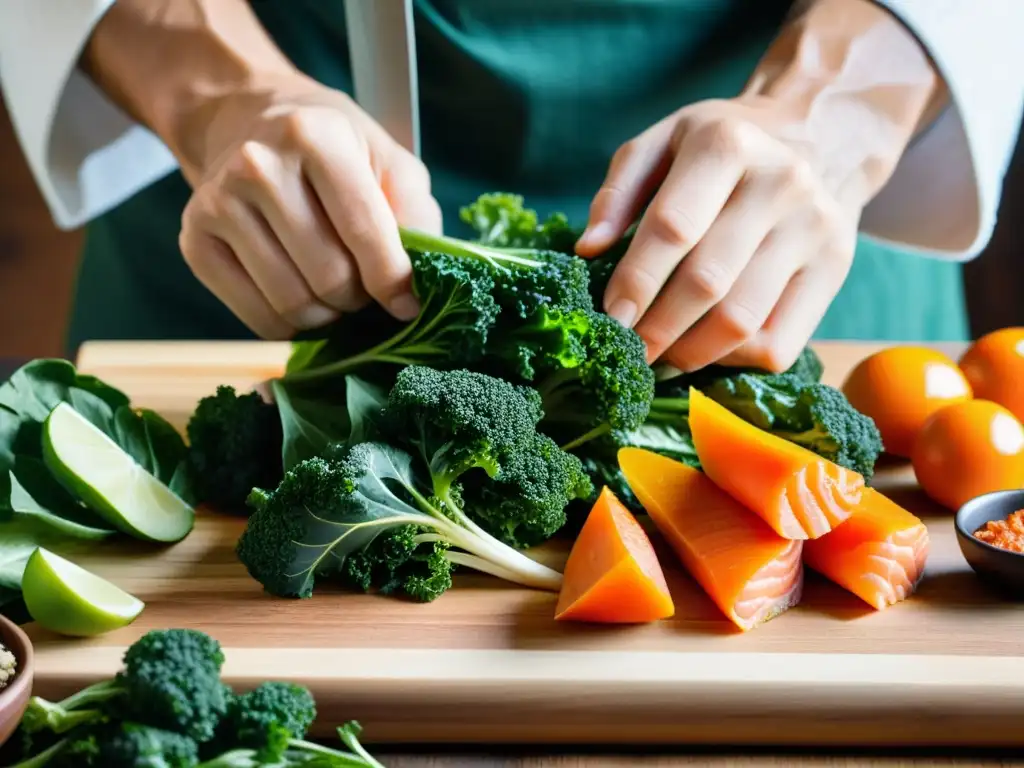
[487, 663]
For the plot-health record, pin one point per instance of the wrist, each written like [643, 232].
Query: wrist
[852, 86]
[172, 65]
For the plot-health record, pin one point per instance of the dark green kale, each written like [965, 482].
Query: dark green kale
[502, 220]
[609, 392]
[234, 446]
[398, 562]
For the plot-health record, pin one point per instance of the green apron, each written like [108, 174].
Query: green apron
[530, 96]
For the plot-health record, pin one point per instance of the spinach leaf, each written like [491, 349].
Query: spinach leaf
[155, 445]
[29, 490]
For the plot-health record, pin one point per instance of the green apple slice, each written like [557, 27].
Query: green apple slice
[67, 599]
[108, 480]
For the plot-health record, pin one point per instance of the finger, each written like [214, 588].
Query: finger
[271, 268]
[216, 267]
[406, 185]
[791, 324]
[697, 187]
[708, 273]
[740, 316]
[340, 173]
[635, 170]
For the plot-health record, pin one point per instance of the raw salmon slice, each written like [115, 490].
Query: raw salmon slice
[798, 493]
[749, 571]
[878, 554]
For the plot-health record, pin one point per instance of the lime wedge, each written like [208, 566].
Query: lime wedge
[66, 598]
[111, 482]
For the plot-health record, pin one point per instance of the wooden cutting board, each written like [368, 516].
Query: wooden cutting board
[487, 663]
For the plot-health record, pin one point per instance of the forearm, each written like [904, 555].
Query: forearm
[171, 63]
[855, 86]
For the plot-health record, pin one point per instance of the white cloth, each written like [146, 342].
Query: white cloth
[87, 156]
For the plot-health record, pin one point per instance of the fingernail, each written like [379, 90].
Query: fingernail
[597, 234]
[405, 307]
[623, 311]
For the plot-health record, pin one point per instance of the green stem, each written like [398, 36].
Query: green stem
[42, 758]
[416, 240]
[337, 758]
[94, 694]
[598, 431]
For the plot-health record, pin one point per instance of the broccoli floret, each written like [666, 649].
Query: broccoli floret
[234, 446]
[453, 424]
[398, 563]
[461, 420]
[170, 680]
[610, 391]
[268, 719]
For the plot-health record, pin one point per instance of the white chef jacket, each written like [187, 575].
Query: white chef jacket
[87, 156]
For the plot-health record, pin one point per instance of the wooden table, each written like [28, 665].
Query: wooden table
[169, 378]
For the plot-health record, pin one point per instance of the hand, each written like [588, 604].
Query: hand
[297, 197]
[743, 247]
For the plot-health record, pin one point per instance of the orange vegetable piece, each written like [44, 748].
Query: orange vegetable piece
[994, 365]
[969, 449]
[900, 388]
[878, 554]
[798, 493]
[612, 574]
[749, 571]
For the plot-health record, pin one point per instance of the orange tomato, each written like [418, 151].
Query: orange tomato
[968, 449]
[994, 364]
[901, 387]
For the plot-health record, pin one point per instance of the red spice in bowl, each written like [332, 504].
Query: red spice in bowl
[1006, 534]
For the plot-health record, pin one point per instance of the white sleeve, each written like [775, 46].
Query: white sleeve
[85, 153]
[943, 198]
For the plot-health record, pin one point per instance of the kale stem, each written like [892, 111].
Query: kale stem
[43, 757]
[416, 240]
[598, 431]
[479, 564]
[337, 758]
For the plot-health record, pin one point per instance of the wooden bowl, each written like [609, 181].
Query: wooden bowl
[1000, 568]
[14, 698]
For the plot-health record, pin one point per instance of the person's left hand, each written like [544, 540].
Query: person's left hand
[743, 246]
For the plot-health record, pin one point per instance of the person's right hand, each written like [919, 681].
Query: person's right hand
[296, 203]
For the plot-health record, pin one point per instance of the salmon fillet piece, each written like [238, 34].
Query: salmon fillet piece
[750, 572]
[879, 554]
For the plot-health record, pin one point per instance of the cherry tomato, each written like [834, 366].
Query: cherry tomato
[969, 449]
[901, 387]
[994, 365]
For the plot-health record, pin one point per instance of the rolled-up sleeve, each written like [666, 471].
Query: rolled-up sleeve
[944, 196]
[85, 153]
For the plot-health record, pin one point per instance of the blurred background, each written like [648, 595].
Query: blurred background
[38, 262]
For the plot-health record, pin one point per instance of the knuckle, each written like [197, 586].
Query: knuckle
[738, 321]
[295, 128]
[335, 285]
[639, 281]
[672, 226]
[726, 137]
[797, 177]
[708, 282]
[626, 152]
[249, 165]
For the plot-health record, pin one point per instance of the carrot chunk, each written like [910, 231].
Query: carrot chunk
[749, 571]
[613, 575]
[798, 493]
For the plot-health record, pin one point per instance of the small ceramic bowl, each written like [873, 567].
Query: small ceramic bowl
[14, 698]
[999, 567]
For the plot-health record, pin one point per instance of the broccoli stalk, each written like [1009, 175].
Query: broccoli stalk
[466, 471]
